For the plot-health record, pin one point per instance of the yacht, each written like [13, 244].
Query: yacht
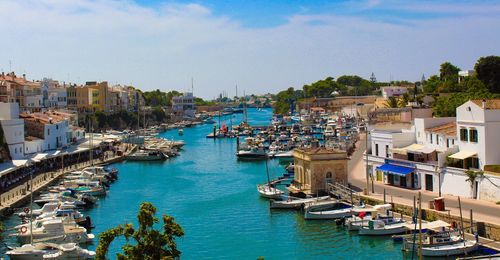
[55, 231]
[147, 155]
[39, 251]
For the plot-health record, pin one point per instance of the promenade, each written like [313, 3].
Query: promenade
[19, 195]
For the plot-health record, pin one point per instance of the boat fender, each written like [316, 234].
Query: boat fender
[78, 237]
[23, 230]
[26, 210]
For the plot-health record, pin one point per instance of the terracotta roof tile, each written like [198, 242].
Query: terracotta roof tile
[449, 129]
[490, 103]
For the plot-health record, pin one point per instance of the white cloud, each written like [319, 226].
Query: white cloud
[164, 47]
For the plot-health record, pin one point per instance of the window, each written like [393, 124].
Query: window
[430, 138]
[387, 151]
[473, 135]
[48, 131]
[437, 139]
[463, 135]
[447, 143]
[376, 149]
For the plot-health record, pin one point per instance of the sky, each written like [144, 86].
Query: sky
[259, 45]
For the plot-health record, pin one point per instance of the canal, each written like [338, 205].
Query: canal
[213, 197]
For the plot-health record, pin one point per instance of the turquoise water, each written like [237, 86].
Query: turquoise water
[213, 197]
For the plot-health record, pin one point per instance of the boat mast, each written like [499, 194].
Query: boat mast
[31, 207]
[267, 173]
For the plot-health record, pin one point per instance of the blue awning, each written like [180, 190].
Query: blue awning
[395, 169]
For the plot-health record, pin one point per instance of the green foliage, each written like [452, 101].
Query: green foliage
[391, 102]
[431, 84]
[446, 105]
[283, 99]
[448, 72]
[149, 243]
[159, 114]
[321, 88]
[488, 71]
[159, 98]
[200, 102]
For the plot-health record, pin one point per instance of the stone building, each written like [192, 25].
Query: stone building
[315, 167]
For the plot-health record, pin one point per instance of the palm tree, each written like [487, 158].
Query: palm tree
[471, 178]
[391, 102]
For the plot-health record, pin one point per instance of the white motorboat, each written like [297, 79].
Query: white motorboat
[457, 248]
[40, 251]
[269, 192]
[253, 152]
[55, 231]
[376, 212]
[46, 208]
[335, 211]
[284, 154]
[149, 155]
[295, 203]
[383, 227]
[180, 131]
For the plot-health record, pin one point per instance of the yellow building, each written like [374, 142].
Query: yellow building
[315, 167]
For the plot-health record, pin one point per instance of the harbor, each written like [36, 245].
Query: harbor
[213, 196]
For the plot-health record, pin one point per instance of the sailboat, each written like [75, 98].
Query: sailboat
[267, 190]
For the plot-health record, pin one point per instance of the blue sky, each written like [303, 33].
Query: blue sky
[263, 46]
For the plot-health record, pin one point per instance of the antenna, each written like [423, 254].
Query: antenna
[192, 86]
[10, 66]
[236, 90]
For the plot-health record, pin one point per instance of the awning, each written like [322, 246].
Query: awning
[411, 147]
[395, 169]
[462, 155]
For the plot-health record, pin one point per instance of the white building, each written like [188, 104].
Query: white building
[464, 73]
[442, 151]
[34, 102]
[184, 105]
[13, 129]
[50, 127]
[393, 91]
[57, 98]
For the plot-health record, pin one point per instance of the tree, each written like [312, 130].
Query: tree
[448, 72]
[431, 85]
[488, 71]
[391, 102]
[148, 243]
[471, 178]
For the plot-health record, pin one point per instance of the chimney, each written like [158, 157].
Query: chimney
[484, 103]
[24, 76]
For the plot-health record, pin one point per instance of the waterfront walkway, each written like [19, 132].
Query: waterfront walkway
[21, 194]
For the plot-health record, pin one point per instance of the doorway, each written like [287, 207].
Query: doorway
[429, 182]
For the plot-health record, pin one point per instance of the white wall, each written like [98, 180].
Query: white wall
[489, 188]
[34, 146]
[56, 134]
[454, 183]
[9, 111]
[470, 116]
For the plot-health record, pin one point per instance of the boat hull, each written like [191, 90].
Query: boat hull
[451, 250]
[381, 231]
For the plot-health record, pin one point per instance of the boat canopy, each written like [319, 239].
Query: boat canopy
[462, 155]
[395, 169]
[429, 225]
